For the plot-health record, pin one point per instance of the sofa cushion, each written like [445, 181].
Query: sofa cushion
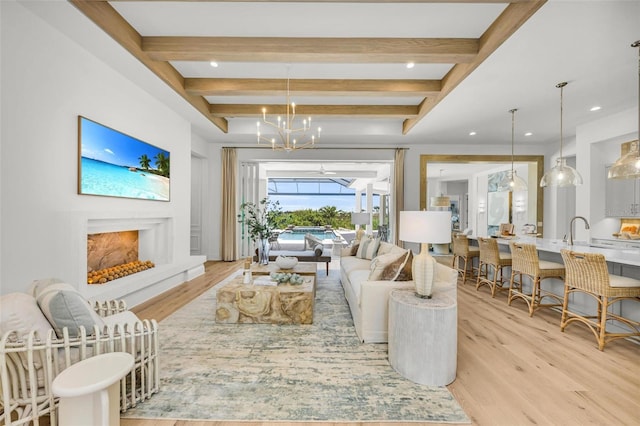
[385, 266]
[356, 278]
[64, 306]
[368, 248]
[352, 263]
[354, 249]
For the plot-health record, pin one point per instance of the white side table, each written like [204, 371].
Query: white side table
[89, 390]
[423, 337]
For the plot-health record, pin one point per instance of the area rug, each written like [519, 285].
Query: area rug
[263, 372]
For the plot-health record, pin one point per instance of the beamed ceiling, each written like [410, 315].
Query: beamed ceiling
[444, 43]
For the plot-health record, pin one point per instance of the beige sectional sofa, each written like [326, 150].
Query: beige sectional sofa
[369, 298]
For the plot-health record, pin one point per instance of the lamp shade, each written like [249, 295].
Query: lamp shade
[561, 175]
[628, 165]
[440, 201]
[512, 182]
[361, 218]
[425, 227]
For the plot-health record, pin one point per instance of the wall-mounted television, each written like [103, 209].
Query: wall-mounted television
[113, 164]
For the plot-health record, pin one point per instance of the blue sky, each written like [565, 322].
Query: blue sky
[102, 143]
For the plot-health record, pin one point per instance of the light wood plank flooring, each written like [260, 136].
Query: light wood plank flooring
[512, 369]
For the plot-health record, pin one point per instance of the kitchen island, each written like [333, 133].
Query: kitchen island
[621, 261]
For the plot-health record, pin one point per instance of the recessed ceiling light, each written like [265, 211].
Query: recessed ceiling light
[472, 133]
[595, 108]
[528, 134]
[411, 65]
[214, 64]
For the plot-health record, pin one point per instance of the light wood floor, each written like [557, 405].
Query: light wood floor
[512, 369]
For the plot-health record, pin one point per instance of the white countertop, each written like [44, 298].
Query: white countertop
[626, 256]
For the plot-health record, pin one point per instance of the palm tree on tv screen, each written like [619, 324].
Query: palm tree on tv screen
[145, 161]
[162, 163]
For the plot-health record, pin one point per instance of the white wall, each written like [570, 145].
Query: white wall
[598, 144]
[47, 81]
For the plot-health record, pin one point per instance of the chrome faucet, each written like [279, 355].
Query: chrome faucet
[586, 226]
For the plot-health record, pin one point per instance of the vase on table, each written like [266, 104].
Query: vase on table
[263, 251]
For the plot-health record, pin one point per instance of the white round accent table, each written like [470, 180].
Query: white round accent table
[89, 390]
[423, 337]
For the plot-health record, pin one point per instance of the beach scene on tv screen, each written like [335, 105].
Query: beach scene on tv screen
[118, 165]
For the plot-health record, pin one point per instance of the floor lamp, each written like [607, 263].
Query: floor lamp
[425, 227]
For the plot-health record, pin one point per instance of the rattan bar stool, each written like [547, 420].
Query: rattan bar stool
[525, 261]
[588, 273]
[490, 256]
[462, 252]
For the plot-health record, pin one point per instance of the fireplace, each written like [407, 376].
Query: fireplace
[113, 255]
[109, 249]
[111, 242]
[156, 243]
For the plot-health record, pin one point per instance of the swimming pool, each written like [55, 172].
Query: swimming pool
[298, 233]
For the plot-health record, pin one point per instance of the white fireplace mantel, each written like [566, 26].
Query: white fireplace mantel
[156, 236]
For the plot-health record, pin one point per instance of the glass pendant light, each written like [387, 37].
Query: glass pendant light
[511, 181]
[561, 174]
[628, 165]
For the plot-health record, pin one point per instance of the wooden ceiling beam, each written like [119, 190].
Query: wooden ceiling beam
[310, 87]
[333, 1]
[350, 111]
[500, 30]
[318, 50]
[111, 22]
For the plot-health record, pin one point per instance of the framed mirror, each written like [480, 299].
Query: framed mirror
[536, 167]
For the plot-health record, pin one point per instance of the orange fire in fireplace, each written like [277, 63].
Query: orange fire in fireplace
[109, 274]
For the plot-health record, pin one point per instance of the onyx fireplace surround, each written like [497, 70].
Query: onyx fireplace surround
[155, 243]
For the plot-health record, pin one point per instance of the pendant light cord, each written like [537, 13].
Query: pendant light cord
[513, 126]
[637, 44]
[561, 86]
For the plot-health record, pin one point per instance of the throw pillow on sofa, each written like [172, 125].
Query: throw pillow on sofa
[382, 268]
[37, 285]
[392, 267]
[404, 273]
[368, 248]
[385, 248]
[64, 306]
[20, 313]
